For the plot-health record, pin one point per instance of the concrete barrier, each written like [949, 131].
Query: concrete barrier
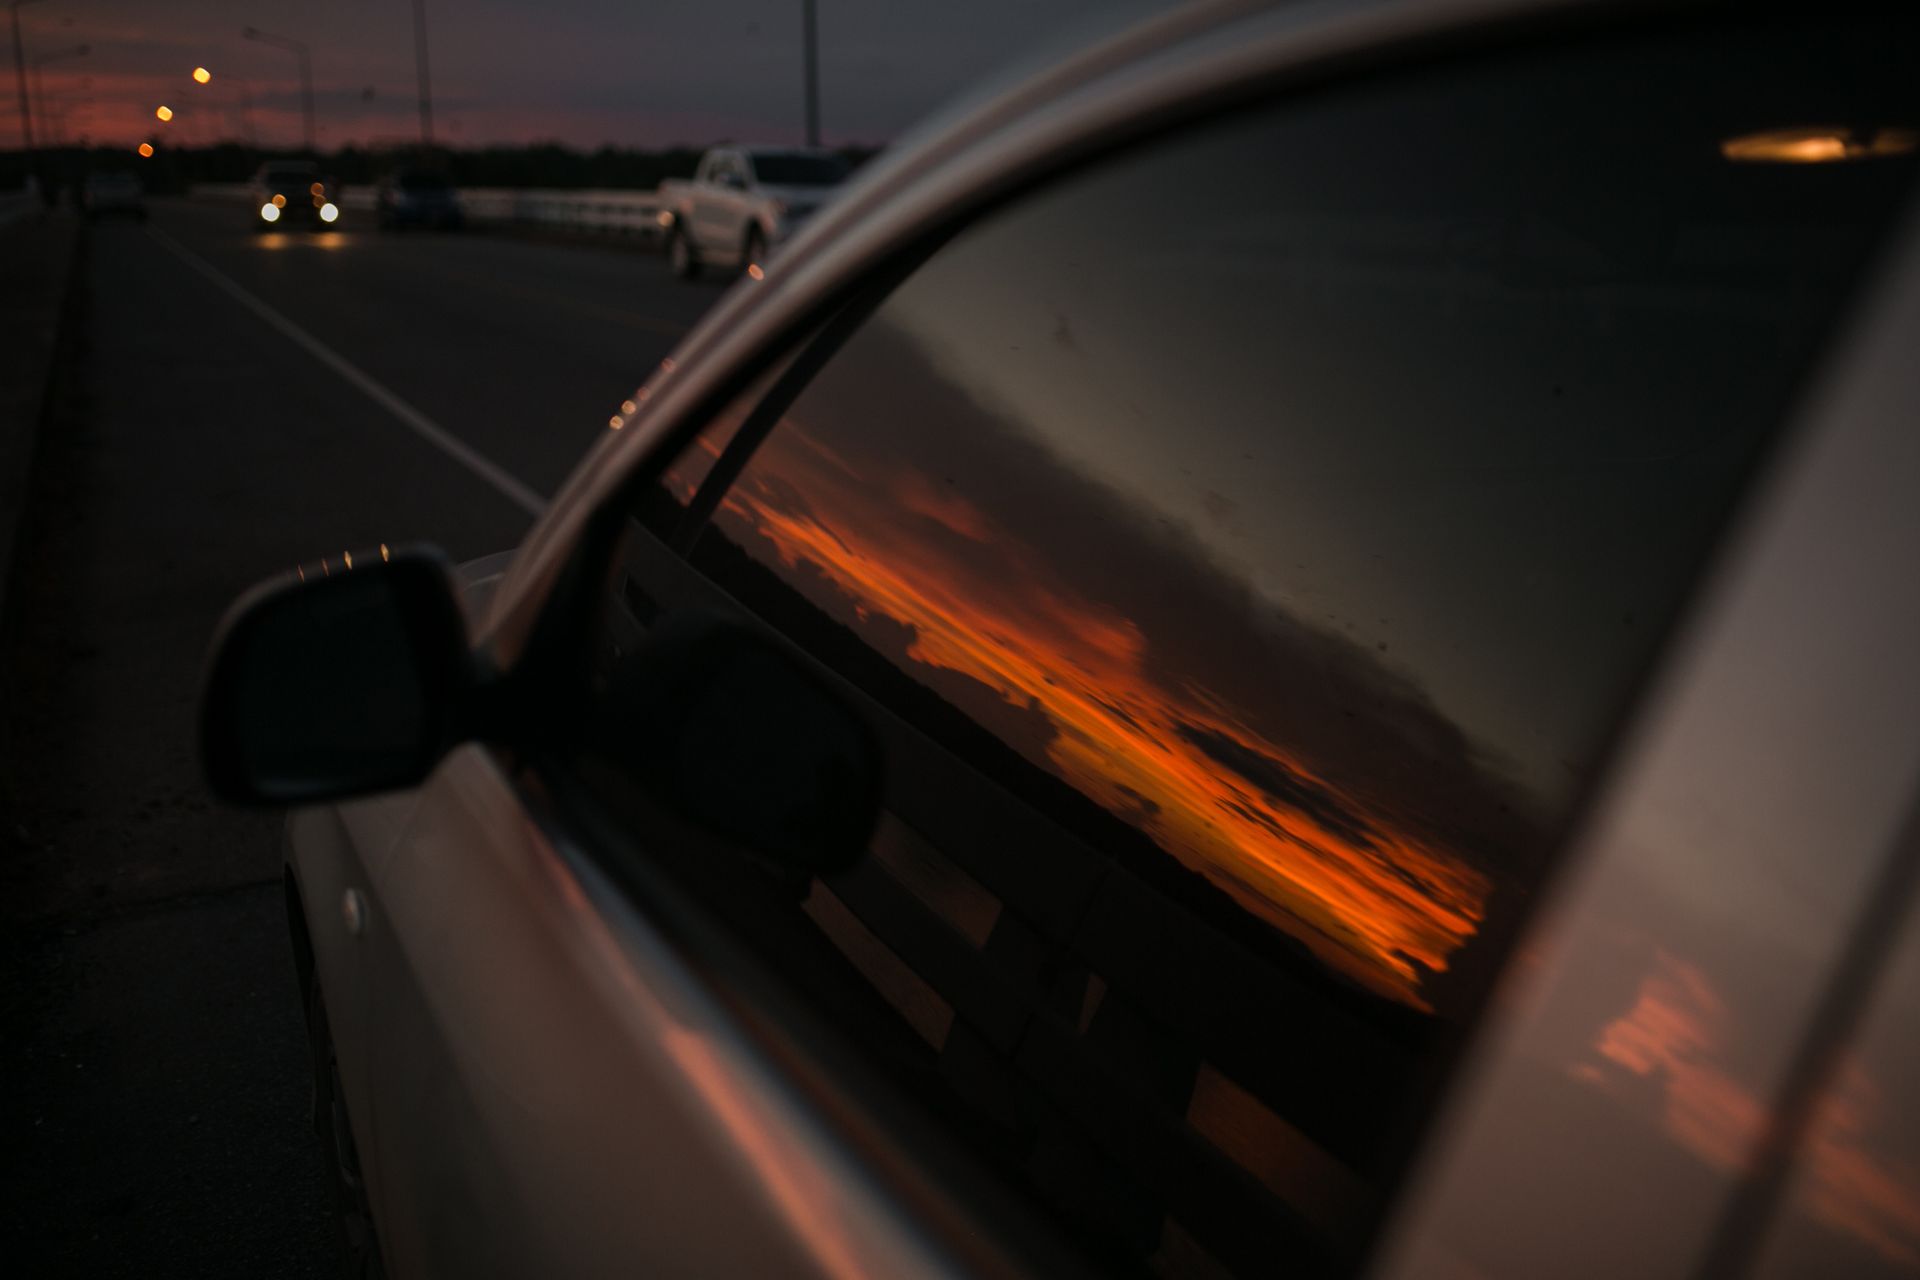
[620, 213]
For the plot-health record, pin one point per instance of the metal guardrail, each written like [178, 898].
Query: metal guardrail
[634, 213]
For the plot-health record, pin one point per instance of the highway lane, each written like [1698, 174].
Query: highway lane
[156, 1085]
[522, 348]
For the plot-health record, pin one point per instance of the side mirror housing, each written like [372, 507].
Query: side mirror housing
[350, 682]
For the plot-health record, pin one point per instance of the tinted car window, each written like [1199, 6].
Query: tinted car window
[786, 170]
[1244, 549]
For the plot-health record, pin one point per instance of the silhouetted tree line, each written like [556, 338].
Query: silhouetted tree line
[547, 164]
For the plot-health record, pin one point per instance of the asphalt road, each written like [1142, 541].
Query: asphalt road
[155, 1101]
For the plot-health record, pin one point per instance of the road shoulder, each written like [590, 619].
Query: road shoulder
[38, 264]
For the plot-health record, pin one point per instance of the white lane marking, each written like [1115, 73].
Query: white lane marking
[419, 423]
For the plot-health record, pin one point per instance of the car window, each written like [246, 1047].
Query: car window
[790, 169]
[1244, 549]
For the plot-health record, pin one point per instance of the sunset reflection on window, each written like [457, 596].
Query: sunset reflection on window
[1379, 903]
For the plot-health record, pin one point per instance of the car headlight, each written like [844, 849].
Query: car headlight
[270, 212]
[329, 211]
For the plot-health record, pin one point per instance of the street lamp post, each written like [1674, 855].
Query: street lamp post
[20, 77]
[811, 53]
[246, 110]
[40, 88]
[420, 65]
[299, 49]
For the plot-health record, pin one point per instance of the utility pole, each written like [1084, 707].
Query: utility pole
[812, 56]
[299, 49]
[420, 64]
[47, 133]
[20, 77]
[246, 114]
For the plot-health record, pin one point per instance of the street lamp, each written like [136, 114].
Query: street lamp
[420, 65]
[20, 76]
[299, 48]
[40, 87]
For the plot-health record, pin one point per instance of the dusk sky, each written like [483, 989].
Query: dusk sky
[584, 72]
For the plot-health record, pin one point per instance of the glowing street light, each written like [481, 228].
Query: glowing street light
[201, 75]
[163, 113]
[146, 150]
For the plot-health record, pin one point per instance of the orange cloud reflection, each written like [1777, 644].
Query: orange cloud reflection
[1673, 1035]
[1387, 907]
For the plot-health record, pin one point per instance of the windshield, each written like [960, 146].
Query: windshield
[789, 170]
[422, 182]
[288, 177]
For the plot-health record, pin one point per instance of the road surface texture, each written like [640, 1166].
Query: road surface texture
[234, 403]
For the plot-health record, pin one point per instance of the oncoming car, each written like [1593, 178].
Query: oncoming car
[1288, 650]
[289, 193]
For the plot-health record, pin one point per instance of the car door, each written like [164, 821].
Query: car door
[1245, 546]
[719, 204]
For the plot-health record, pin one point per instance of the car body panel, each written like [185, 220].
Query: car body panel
[555, 1094]
[1626, 1095]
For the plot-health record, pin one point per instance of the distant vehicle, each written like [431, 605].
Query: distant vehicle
[104, 194]
[292, 193]
[743, 201]
[418, 198]
[1288, 651]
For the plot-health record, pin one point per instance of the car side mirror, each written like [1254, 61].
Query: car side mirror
[344, 683]
[735, 732]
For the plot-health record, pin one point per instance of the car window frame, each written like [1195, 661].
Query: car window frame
[593, 556]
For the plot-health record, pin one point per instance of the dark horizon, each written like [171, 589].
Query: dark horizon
[584, 73]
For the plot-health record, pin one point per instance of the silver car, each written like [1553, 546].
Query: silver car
[1288, 650]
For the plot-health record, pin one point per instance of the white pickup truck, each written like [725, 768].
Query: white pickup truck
[741, 202]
